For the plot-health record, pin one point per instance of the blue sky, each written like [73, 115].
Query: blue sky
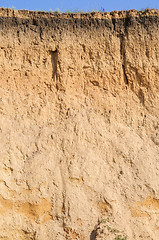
[85, 5]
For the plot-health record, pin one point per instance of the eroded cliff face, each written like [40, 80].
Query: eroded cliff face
[79, 139]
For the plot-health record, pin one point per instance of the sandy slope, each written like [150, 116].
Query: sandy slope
[79, 131]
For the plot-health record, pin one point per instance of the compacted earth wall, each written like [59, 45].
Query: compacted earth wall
[79, 128]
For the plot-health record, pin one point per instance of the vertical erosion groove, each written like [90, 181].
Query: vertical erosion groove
[54, 55]
[122, 53]
[113, 21]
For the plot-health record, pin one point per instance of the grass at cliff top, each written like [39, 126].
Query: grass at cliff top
[76, 11]
[102, 10]
[66, 11]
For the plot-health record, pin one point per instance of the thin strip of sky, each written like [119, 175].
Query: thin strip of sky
[83, 5]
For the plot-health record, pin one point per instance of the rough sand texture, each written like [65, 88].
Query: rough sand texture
[79, 129]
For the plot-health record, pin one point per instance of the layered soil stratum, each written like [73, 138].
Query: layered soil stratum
[79, 128]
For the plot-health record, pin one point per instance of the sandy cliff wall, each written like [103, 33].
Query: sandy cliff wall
[79, 131]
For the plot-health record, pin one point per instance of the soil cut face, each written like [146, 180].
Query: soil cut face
[79, 129]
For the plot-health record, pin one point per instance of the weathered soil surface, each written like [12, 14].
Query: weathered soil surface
[79, 126]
